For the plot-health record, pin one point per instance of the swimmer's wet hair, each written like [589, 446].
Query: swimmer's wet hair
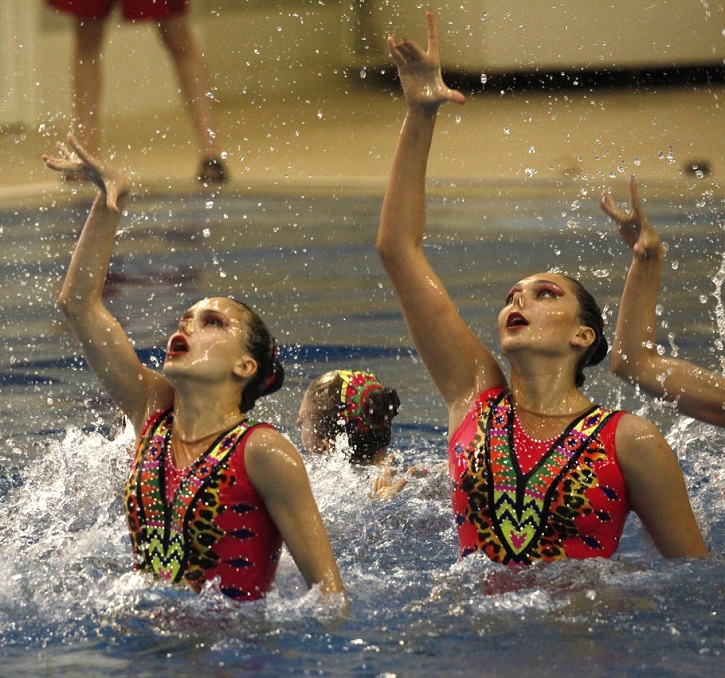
[269, 376]
[367, 428]
[590, 315]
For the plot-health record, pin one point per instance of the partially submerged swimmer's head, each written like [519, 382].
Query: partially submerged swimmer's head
[352, 404]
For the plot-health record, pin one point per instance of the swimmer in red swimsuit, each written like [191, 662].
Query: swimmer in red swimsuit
[539, 471]
[211, 492]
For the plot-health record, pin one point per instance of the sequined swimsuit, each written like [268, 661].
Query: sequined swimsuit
[210, 523]
[568, 500]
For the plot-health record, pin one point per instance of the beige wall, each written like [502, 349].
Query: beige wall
[497, 36]
[260, 47]
[250, 48]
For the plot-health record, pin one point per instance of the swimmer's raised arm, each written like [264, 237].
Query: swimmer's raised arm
[460, 365]
[698, 392]
[133, 387]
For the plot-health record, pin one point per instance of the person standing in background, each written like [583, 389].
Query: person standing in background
[175, 31]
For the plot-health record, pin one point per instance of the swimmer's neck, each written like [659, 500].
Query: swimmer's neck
[199, 413]
[546, 393]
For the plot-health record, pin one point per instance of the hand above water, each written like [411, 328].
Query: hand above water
[114, 183]
[420, 72]
[634, 227]
[386, 486]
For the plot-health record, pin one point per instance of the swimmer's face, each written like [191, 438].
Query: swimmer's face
[210, 342]
[308, 421]
[540, 312]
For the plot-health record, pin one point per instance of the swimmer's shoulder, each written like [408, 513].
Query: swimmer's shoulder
[270, 456]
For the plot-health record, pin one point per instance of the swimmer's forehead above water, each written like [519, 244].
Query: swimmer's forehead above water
[555, 281]
[232, 312]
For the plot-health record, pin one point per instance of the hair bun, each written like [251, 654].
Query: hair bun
[275, 381]
[382, 404]
[600, 351]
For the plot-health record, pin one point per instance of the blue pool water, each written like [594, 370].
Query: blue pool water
[69, 604]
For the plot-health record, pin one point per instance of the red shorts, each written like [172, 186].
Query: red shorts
[133, 10]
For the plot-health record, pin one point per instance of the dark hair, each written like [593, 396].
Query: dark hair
[369, 427]
[590, 315]
[269, 376]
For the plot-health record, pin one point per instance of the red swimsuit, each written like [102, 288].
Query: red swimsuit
[520, 501]
[204, 521]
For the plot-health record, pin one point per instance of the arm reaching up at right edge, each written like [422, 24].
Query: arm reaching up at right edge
[460, 365]
[698, 392]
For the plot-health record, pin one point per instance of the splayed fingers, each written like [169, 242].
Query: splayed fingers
[75, 158]
[420, 72]
[634, 226]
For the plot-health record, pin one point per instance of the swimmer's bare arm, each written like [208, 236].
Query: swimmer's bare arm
[698, 392]
[278, 473]
[133, 387]
[460, 365]
[656, 489]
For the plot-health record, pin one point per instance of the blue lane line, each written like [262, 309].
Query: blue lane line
[302, 353]
[154, 357]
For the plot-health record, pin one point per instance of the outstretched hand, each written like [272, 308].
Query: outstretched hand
[420, 72]
[76, 159]
[634, 227]
[386, 486]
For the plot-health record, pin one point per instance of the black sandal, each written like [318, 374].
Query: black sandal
[212, 172]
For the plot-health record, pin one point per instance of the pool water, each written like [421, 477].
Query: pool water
[69, 604]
